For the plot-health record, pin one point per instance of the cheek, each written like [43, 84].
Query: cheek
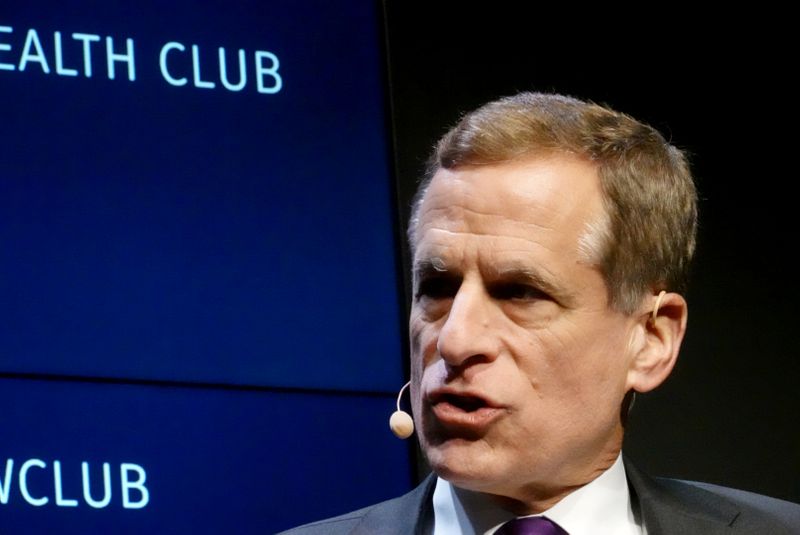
[422, 347]
[422, 340]
[576, 360]
[415, 333]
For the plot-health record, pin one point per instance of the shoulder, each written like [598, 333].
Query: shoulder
[338, 524]
[402, 515]
[679, 506]
[756, 511]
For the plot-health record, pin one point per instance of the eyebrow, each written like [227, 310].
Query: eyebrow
[528, 275]
[429, 267]
[510, 272]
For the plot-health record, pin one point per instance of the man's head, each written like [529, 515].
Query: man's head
[544, 230]
[646, 238]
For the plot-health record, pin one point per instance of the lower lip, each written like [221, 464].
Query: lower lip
[452, 416]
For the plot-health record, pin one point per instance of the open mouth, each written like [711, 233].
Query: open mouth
[464, 412]
[465, 403]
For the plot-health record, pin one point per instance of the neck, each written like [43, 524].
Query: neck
[537, 498]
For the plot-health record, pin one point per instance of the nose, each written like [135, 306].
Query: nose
[468, 334]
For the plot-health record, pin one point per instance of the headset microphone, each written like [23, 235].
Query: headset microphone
[401, 423]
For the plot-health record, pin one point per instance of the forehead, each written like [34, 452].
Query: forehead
[543, 203]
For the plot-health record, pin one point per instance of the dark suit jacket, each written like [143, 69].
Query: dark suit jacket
[667, 506]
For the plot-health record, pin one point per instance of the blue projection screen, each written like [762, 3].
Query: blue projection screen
[200, 326]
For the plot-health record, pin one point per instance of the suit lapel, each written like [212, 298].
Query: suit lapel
[403, 516]
[670, 507]
[667, 507]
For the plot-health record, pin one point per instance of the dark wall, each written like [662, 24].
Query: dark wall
[728, 413]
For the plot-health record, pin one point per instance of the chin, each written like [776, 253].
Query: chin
[468, 464]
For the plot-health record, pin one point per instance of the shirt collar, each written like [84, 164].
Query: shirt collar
[600, 507]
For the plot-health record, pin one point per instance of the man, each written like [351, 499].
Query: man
[551, 243]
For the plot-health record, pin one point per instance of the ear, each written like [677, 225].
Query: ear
[658, 336]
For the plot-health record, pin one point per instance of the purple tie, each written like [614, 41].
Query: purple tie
[532, 525]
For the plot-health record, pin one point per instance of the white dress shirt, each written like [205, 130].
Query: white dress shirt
[602, 507]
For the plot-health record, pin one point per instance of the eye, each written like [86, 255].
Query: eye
[517, 291]
[437, 287]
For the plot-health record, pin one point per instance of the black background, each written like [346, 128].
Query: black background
[719, 89]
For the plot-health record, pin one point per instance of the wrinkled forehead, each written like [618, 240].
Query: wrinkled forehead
[554, 202]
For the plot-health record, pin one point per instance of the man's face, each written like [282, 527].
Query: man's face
[519, 367]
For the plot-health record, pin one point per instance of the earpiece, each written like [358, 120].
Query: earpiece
[657, 306]
[400, 422]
